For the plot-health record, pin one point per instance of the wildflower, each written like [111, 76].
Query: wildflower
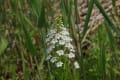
[71, 55]
[51, 32]
[69, 45]
[65, 32]
[72, 50]
[62, 26]
[50, 48]
[53, 41]
[76, 65]
[59, 64]
[60, 52]
[48, 57]
[59, 45]
[48, 39]
[57, 36]
[66, 38]
[61, 42]
[53, 59]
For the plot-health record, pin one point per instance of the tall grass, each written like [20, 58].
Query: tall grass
[24, 25]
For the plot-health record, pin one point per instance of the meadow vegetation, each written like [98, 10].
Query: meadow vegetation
[42, 42]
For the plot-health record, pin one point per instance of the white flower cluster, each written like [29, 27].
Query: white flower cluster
[59, 46]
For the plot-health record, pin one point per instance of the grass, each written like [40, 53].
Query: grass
[24, 25]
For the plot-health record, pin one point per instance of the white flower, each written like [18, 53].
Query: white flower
[76, 65]
[63, 27]
[57, 36]
[72, 50]
[65, 32]
[59, 64]
[53, 59]
[61, 42]
[50, 48]
[66, 38]
[69, 45]
[50, 36]
[60, 52]
[54, 41]
[57, 41]
[48, 57]
[71, 55]
[47, 39]
[52, 31]
[69, 39]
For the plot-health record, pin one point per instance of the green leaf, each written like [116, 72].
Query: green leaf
[36, 6]
[112, 46]
[3, 45]
[28, 40]
[102, 55]
[41, 19]
[26, 76]
[113, 2]
[90, 7]
[106, 17]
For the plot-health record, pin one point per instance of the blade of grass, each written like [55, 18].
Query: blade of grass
[29, 43]
[113, 3]
[71, 23]
[36, 6]
[64, 13]
[89, 11]
[25, 72]
[102, 55]
[106, 17]
[26, 76]
[41, 19]
[3, 45]
[112, 47]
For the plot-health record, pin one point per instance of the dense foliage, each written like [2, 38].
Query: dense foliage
[43, 40]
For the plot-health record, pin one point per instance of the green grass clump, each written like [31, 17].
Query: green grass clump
[24, 28]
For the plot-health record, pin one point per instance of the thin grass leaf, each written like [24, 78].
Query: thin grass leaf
[76, 12]
[64, 13]
[39, 66]
[106, 17]
[3, 45]
[25, 72]
[90, 7]
[41, 19]
[112, 46]
[65, 6]
[113, 3]
[102, 56]
[36, 6]
[29, 43]
[110, 36]
[26, 76]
